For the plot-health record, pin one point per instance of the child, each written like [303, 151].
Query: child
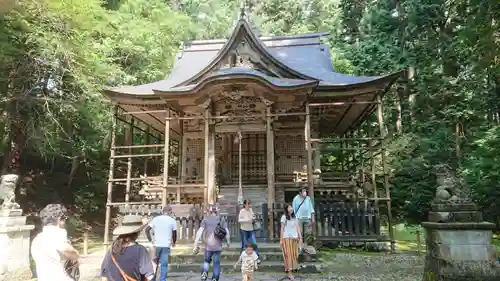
[248, 260]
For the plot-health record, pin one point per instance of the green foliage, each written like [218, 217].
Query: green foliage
[482, 171]
[57, 55]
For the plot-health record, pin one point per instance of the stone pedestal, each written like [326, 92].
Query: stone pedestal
[459, 244]
[14, 245]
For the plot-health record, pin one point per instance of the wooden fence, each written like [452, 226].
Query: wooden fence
[339, 221]
[335, 221]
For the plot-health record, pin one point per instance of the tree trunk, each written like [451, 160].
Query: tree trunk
[12, 159]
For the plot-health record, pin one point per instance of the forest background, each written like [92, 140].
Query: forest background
[56, 55]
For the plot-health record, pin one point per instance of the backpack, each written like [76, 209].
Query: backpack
[219, 231]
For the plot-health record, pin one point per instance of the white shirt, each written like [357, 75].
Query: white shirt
[162, 227]
[290, 230]
[49, 262]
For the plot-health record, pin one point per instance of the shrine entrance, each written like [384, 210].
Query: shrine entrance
[252, 158]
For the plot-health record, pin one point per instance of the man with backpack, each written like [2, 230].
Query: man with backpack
[216, 231]
[304, 211]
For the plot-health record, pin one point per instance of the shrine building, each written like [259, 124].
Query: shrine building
[248, 117]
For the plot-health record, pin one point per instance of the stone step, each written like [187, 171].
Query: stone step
[231, 256]
[228, 267]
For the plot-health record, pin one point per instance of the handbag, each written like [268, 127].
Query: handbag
[72, 269]
[257, 225]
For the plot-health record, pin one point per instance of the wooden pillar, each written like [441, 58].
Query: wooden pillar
[205, 170]
[307, 131]
[181, 170]
[316, 153]
[384, 168]
[129, 140]
[110, 176]
[166, 157]
[211, 186]
[271, 193]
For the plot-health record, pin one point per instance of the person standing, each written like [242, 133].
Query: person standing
[248, 261]
[290, 241]
[303, 209]
[164, 229]
[126, 260]
[246, 219]
[216, 231]
[51, 249]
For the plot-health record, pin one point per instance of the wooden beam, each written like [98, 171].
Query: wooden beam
[384, 168]
[271, 193]
[166, 158]
[110, 176]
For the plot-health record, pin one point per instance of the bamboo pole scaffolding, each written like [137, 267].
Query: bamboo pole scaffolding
[138, 146]
[130, 142]
[137, 127]
[110, 177]
[384, 168]
[139, 155]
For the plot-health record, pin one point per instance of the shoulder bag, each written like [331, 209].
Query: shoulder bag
[219, 231]
[124, 275]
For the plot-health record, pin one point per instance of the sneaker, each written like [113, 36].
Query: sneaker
[213, 279]
[204, 276]
[258, 261]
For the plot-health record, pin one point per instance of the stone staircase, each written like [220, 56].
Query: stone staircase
[183, 261]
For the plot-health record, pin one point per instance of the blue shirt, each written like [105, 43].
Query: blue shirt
[162, 228]
[306, 209]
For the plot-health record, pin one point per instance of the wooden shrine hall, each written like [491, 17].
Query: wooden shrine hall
[246, 118]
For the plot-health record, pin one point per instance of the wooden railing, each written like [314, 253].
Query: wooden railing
[189, 218]
[340, 221]
[335, 220]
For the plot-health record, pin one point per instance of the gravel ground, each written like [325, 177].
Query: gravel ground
[337, 267]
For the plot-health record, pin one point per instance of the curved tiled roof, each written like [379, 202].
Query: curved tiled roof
[304, 56]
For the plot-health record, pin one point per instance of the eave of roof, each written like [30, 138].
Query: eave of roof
[237, 73]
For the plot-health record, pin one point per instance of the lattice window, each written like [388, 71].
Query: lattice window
[290, 154]
[254, 165]
[195, 159]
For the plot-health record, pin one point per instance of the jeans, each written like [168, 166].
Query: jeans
[163, 253]
[248, 237]
[209, 257]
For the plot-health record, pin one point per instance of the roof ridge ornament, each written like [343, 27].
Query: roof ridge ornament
[243, 13]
